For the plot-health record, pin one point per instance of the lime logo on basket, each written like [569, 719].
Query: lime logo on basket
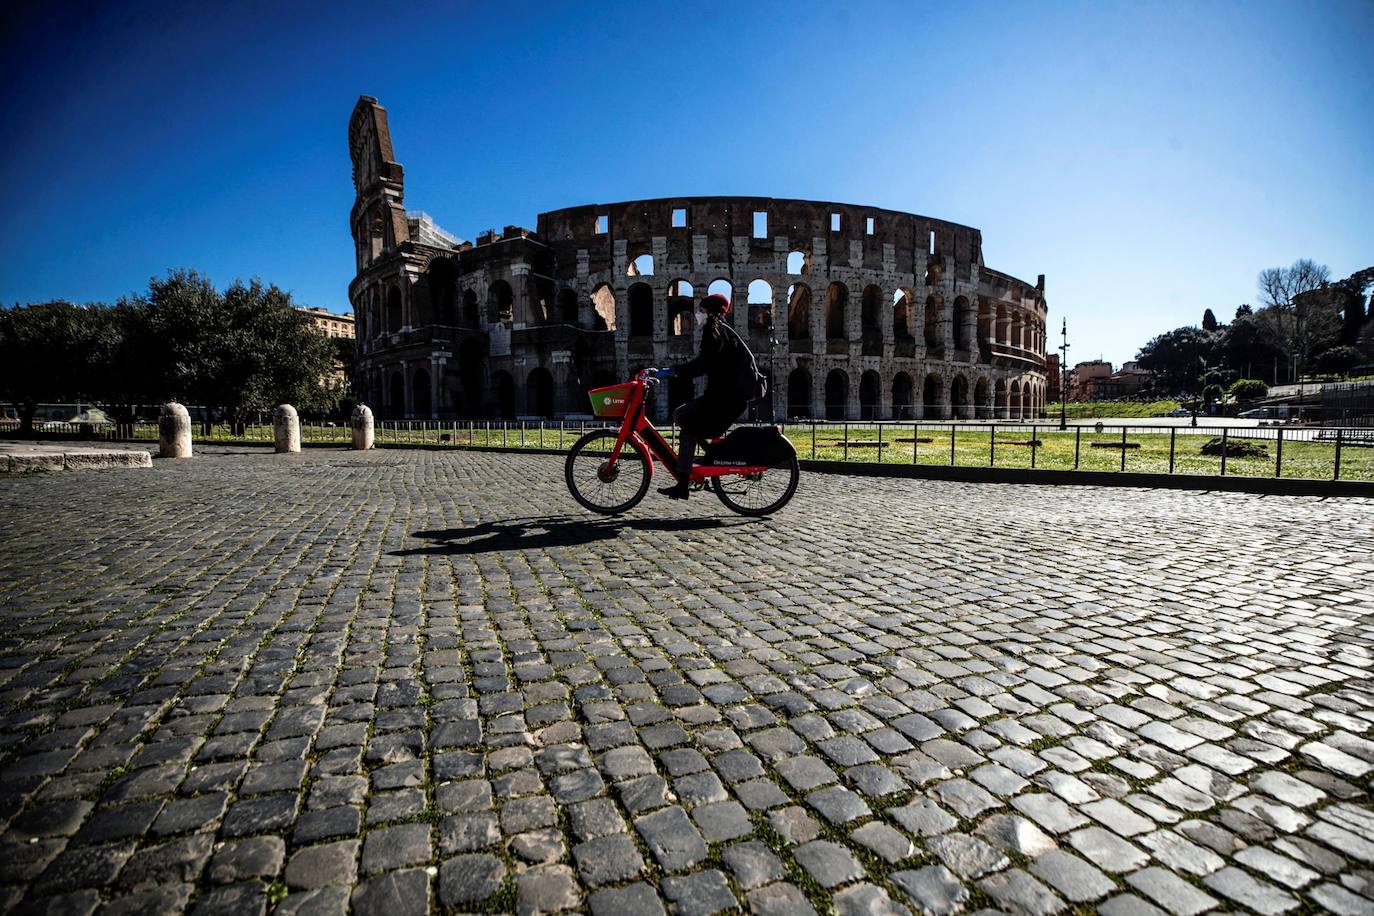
[606, 399]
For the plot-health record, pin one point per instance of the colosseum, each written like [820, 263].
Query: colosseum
[854, 312]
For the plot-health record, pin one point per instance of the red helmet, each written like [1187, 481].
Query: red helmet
[716, 304]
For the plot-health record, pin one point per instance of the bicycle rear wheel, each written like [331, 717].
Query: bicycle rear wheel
[609, 491]
[759, 494]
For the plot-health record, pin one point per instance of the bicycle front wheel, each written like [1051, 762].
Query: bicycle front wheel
[759, 494]
[598, 486]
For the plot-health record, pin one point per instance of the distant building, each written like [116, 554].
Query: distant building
[1052, 379]
[1088, 380]
[331, 324]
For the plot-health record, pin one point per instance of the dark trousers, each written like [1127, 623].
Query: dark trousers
[702, 418]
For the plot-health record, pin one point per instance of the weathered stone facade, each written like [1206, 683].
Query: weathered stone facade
[854, 312]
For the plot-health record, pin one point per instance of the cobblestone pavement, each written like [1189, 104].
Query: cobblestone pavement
[403, 682]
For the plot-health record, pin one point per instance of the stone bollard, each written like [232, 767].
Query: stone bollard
[363, 427]
[286, 428]
[174, 432]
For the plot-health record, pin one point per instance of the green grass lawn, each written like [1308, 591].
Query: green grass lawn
[972, 447]
[1108, 409]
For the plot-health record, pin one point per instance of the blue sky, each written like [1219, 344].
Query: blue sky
[1149, 158]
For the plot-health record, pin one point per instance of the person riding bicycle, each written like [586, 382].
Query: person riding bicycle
[721, 358]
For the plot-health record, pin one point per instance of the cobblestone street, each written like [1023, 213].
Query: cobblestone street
[418, 681]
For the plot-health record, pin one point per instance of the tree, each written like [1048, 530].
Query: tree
[1209, 321]
[1296, 322]
[1244, 309]
[1339, 360]
[1247, 389]
[240, 352]
[53, 351]
[1173, 356]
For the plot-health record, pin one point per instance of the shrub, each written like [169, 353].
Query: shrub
[1234, 448]
[1248, 389]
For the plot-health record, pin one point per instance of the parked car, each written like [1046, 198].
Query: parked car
[1180, 412]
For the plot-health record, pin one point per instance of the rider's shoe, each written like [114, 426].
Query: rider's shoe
[676, 491]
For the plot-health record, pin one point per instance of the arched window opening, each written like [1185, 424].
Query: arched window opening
[539, 393]
[901, 317]
[419, 386]
[1014, 398]
[472, 316]
[393, 310]
[376, 238]
[935, 271]
[799, 263]
[500, 301]
[503, 386]
[930, 397]
[799, 393]
[470, 359]
[958, 396]
[680, 306]
[642, 266]
[799, 312]
[980, 399]
[961, 316]
[870, 322]
[641, 310]
[869, 386]
[603, 307]
[836, 394]
[722, 287]
[901, 396]
[836, 300]
[935, 307]
[397, 407]
[567, 306]
[443, 291]
[760, 305]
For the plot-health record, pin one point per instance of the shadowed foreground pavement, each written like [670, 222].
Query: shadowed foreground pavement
[420, 681]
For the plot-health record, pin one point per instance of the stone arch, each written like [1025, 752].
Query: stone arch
[836, 394]
[933, 406]
[443, 291]
[760, 299]
[603, 308]
[799, 393]
[567, 306]
[799, 312]
[934, 333]
[1003, 331]
[641, 266]
[870, 321]
[641, 297]
[722, 287]
[503, 390]
[935, 271]
[982, 406]
[500, 301]
[420, 394]
[1014, 399]
[958, 398]
[902, 390]
[1001, 406]
[472, 313]
[681, 306]
[397, 406]
[961, 324]
[836, 302]
[539, 393]
[393, 309]
[470, 365]
[870, 393]
[798, 262]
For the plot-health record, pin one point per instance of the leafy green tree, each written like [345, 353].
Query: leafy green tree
[1247, 389]
[54, 351]
[1174, 355]
[240, 352]
[1339, 360]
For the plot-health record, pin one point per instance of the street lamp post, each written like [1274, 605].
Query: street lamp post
[1063, 377]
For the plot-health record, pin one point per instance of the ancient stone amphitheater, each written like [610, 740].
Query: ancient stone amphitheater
[854, 312]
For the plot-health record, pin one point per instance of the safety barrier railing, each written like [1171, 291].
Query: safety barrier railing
[1307, 452]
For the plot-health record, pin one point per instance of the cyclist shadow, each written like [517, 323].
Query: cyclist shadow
[539, 533]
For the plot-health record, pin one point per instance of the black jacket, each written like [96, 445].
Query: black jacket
[717, 360]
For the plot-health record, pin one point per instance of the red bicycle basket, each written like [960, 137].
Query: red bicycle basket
[612, 401]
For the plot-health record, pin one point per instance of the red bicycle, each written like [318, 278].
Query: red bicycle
[753, 470]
